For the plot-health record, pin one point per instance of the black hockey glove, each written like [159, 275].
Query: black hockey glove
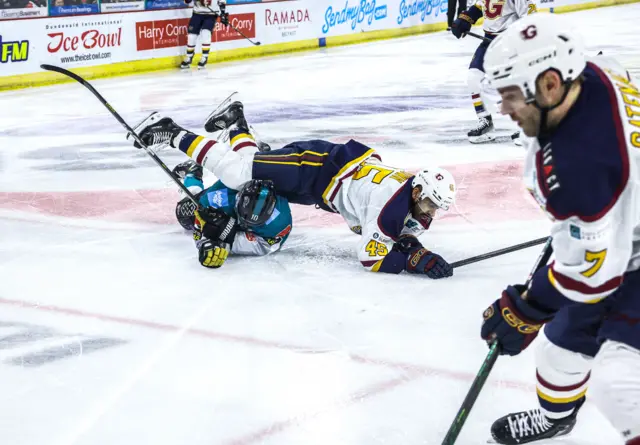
[462, 25]
[213, 254]
[224, 15]
[216, 225]
[421, 260]
[512, 321]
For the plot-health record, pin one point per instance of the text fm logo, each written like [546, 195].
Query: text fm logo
[14, 51]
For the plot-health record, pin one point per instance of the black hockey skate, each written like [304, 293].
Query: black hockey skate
[225, 117]
[516, 138]
[186, 63]
[188, 167]
[483, 132]
[155, 130]
[530, 426]
[203, 62]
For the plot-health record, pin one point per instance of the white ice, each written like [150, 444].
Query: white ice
[112, 333]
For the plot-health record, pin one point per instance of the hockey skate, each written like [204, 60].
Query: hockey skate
[203, 62]
[186, 63]
[155, 131]
[530, 426]
[483, 132]
[226, 118]
[516, 138]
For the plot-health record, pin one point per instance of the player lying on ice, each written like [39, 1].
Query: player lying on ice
[581, 119]
[387, 206]
[251, 221]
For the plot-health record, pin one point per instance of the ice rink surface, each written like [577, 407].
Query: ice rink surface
[112, 333]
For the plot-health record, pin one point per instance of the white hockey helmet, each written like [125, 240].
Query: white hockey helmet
[438, 185]
[531, 46]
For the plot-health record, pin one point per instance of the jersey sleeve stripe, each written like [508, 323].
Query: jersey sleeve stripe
[561, 281]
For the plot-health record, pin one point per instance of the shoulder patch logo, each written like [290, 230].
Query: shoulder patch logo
[218, 199]
[575, 231]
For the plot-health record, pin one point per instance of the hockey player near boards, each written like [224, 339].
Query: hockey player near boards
[252, 221]
[204, 17]
[582, 121]
[498, 16]
[388, 207]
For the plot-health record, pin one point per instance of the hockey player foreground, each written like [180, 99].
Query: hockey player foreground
[388, 207]
[582, 122]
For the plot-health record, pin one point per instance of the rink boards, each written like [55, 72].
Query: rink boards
[102, 45]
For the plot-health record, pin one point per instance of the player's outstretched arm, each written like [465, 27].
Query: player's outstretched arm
[379, 253]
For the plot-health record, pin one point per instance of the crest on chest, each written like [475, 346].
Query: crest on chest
[542, 178]
[546, 170]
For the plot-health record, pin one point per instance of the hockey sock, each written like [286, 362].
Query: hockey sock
[481, 111]
[559, 401]
[194, 146]
[191, 45]
[562, 378]
[241, 140]
[206, 42]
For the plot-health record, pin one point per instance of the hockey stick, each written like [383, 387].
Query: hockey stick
[496, 253]
[115, 114]
[235, 29]
[487, 365]
[238, 31]
[478, 36]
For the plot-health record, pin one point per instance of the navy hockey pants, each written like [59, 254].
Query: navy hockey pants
[584, 327]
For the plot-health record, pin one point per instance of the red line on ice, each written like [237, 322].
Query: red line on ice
[411, 372]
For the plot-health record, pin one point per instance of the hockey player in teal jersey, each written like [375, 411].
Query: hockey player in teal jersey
[251, 221]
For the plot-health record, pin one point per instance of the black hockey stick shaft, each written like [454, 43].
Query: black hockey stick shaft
[499, 252]
[487, 365]
[478, 36]
[239, 32]
[234, 28]
[115, 114]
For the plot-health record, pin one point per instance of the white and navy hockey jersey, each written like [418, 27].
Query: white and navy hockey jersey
[585, 176]
[206, 7]
[499, 14]
[375, 201]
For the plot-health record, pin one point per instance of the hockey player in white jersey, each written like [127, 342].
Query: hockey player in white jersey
[582, 121]
[203, 19]
[388, 207]
[498, 16]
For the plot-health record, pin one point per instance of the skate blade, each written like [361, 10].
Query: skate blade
[482, 139]
[225, 103]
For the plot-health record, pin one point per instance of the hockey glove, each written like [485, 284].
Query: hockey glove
[213, 254]
[421, 260]
[512, 321]
[224, 15]
[216, 225]
[462, 25]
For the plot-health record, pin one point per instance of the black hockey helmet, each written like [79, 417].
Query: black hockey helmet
[255, 203]
[185, 213]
